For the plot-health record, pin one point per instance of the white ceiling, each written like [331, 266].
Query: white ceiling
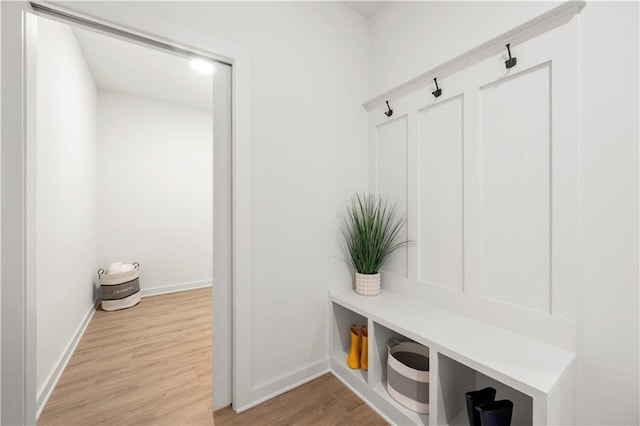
[129, 68]
[365, 8]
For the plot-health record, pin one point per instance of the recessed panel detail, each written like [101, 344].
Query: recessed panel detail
[515, 189]
[440, 244]
[391, 178]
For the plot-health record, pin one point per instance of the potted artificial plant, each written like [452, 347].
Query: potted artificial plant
[372, 231]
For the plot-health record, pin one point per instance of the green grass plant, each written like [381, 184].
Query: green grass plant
[371, 231]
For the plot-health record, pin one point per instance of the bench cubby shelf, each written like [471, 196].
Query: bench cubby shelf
[464, 355]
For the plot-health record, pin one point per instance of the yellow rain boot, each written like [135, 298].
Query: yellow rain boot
[354, 354]
[364, 354]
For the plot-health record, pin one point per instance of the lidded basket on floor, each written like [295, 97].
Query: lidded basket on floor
[119, 290]
[408, 374]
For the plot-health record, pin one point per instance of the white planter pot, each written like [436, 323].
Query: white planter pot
[368, 284]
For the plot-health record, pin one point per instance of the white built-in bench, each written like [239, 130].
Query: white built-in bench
[465, 354]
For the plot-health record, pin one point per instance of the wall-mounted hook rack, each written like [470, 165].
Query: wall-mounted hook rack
[524, 32]
[438, 90]
[511, 62]
[390, 112]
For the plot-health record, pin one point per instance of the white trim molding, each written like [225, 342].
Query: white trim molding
[18, 369]
[174, 288]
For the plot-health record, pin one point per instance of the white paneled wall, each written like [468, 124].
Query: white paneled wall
[515, 223]
[391, 149]
[487, 174]
[440, 194]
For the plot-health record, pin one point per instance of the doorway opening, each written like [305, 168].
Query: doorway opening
[119, 156]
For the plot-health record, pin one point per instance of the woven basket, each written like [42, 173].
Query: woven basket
[119, 291]
[408, 374]
[368, 284]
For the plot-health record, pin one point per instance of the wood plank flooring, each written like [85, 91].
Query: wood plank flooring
[148, 365]
[323, 401]
[151, 365]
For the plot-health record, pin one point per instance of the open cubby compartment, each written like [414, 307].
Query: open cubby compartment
[378, 354]
[343, 319]
[378, 368]
[455, 379]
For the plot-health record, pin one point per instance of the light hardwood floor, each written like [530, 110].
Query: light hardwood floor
[151, 365]
[323, 401]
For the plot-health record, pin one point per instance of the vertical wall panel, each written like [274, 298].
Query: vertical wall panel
[391, 177]
[515, 190]
[440, 226]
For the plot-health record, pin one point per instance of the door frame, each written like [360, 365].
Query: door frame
[18, 305]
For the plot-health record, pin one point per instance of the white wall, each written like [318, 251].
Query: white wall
[408, 38]
[309, 67]
[155, 177]
[608, 309]
[66, 194]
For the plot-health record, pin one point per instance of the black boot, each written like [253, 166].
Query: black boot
[496, 413]
[476, 398]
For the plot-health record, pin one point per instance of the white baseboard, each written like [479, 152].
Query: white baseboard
[279, 386]
[52, 380]
[173, 288]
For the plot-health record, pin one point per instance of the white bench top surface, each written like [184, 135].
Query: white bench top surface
[527, 365]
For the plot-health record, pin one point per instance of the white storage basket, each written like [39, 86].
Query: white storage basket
[119, 291]
[408, 374]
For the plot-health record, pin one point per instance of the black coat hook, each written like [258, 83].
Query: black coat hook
[511, 62]
[390, 112]
[438, 90]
